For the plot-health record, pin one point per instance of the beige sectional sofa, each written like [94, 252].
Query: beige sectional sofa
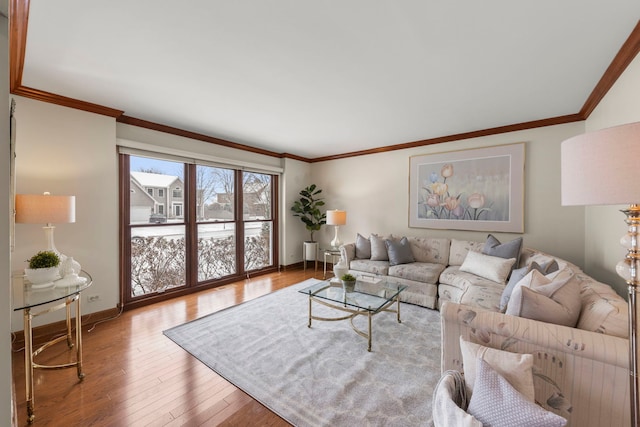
[580, 371]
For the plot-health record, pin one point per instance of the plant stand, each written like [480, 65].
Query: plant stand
[310, 255]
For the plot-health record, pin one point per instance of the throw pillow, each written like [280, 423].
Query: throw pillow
[363, 247]
[490, 267]
[507, 250]
[519, 273]
[496, 403]
[517, 368]
[399, 251]
[378, 248]
[554, 300]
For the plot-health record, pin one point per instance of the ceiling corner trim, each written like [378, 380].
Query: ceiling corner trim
[64, 101]
[18, 21]
[624, 57]
[193, 135]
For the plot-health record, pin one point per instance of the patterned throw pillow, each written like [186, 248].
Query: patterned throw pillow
[496, 403]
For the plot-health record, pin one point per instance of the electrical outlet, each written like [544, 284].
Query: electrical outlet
[93, 298]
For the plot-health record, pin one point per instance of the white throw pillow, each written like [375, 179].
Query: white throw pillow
[553, 299]
[517, 368]
[490, 267]
[496, 403]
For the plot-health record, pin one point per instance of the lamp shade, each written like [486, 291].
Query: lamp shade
[336, 217]
[45, 209]
[602, 167]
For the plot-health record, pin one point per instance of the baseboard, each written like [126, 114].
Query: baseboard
[44, 333]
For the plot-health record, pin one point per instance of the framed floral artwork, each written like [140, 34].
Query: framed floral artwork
[478, 189]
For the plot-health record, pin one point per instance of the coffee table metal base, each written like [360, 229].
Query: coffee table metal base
[353, 314]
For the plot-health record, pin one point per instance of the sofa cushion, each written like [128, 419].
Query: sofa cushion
[428, 249]
[493, 268]
[552, 300]
[517, 368]
[373, 267]
[506, 250]
[425, 272]
[495, 402]
[378, 247]
[399, 251]
[459, 249]
[363, 247]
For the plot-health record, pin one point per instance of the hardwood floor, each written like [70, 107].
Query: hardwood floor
[135, 376]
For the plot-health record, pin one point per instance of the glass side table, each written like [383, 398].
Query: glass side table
[31, 299]
[330, 253]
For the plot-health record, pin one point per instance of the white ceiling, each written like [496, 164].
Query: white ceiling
[319, 78]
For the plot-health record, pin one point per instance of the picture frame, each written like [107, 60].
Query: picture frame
[479, 189]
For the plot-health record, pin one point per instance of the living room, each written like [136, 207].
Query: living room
[75, 152]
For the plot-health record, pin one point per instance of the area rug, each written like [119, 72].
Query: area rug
[323, 375]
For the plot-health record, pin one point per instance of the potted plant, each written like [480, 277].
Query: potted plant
[43, 268]
[307, 208]
[348, 282]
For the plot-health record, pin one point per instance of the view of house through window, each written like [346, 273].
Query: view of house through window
[170, 201]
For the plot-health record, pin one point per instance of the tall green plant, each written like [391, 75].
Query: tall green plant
[307, 209]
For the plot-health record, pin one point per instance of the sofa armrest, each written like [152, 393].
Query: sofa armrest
[580, 375]
[347, 253]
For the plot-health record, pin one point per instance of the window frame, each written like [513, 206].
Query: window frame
[189, 220]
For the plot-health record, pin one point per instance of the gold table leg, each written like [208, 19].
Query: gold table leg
[28, 364]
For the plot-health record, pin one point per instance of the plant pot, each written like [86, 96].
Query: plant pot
[310, 251]
[348, 285]
[41, 276]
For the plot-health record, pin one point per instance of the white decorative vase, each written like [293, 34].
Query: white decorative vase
[42, 276]
[340, 270]
[69, 267]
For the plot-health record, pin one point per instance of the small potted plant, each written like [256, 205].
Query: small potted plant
[348, 282]
[43, 268]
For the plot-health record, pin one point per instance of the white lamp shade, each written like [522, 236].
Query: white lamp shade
[45, 209]
[602, 167]
[336, 217]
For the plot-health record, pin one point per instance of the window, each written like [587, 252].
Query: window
[150, 191]
[160, 192]
[221, 229]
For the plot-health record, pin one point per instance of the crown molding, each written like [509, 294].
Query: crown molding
[19, 19]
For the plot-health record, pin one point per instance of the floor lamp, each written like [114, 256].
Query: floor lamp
[601, 168]
[336, 218]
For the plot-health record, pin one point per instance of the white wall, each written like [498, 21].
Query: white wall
[6, 382]
[70, 152]
[374, 191]
[605, 224]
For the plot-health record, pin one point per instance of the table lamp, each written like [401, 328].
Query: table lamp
[46, 209]
[336, 218]
[601, 168]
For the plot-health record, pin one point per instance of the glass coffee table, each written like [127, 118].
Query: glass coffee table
[368, 299]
